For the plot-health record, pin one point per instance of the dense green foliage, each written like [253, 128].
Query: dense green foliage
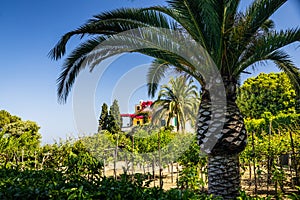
[18, 140]
[110, 121]
[267, 93]
[279, 122]
[141, 144]
[112, 125]
[73, 169]
[48, 184]
[194, 166]
[103, 117]
[7, 118]
[70, 170]
[115, 112]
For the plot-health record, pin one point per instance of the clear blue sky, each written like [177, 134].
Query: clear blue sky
[29, 29]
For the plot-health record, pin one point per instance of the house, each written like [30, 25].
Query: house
[141, 115]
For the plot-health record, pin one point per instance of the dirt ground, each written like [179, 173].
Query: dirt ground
[170, 179]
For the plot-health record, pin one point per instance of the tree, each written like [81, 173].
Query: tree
[272, 93]
[17, 135]
[178, 99]
[103, 118]
[107, 119]
[7, 118]
[115, 112]
[112, 124]
[211, 41]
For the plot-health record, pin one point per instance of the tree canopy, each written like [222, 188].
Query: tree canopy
[178, 99]
[272, 93]
[115, 112]
[16, 134]
[110, 120]
[7, 118]
[103, 117]
[234, 40]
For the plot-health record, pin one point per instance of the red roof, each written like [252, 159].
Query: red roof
[144, 104]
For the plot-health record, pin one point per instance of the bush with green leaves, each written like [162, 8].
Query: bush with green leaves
[72, 169]
[194, 164]
[44, 184]
[51, 184]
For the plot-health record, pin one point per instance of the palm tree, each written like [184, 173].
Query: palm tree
[178, 100]
[209, 35]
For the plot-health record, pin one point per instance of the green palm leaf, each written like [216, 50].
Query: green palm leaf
[178, 99]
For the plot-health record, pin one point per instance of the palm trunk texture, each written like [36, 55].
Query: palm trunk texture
[224, 175]
[223, 154]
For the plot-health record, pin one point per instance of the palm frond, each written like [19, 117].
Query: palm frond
[73, 65]
[194, 16]
[165, 45]
[264, 45]
[156, 72]
[110, 23]
[194, 37]
[178, 98]
[267, 26]
[230, 10]
[158, 114]
[256, 18]
[284, 63]
[259, 12]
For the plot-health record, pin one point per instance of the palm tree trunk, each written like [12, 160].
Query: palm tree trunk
[222, 142]
[224, 176]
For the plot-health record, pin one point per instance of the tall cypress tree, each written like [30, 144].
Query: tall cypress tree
[114, 118]
[115, 112]
[103, 119]
[112, 125]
